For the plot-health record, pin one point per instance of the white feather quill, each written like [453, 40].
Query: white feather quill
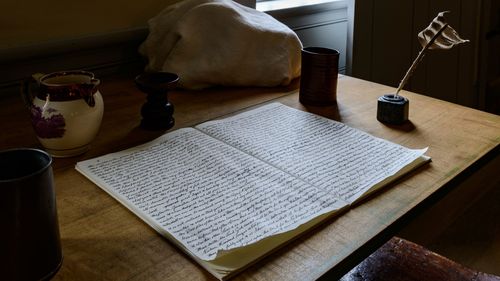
[438, 35]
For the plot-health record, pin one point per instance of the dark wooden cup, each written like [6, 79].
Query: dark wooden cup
[319, 74]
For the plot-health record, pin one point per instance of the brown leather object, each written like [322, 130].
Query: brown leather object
[402, 260]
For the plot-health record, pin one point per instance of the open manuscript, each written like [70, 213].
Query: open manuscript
[229, 191]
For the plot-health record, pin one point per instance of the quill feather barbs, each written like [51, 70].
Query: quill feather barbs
[438, 35]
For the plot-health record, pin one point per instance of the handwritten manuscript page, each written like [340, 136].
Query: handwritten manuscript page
[250, 181]
[328, 154]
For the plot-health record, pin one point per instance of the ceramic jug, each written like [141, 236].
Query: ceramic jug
[66, 111]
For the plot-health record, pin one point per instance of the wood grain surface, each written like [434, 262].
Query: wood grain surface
[102, 240]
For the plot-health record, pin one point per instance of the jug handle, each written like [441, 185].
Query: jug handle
[89, 93]
[26, 89]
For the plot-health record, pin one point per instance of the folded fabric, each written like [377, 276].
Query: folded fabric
[220, 42]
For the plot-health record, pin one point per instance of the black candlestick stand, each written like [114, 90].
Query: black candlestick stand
[157, 112]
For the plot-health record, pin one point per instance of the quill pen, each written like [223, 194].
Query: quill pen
[438, 35]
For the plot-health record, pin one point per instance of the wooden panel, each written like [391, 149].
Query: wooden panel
[468, 54]
[421, 19]
[350, 36]
[442, 66]
[319, 27]
[362, 40]
[392, 40]
[248, 3]
[100, 53]
[450, 75]
[440, 216]
[332, 36]
[54, 20]
[311, 16]
[489, 57]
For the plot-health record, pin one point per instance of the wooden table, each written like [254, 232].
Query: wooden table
[102, 240]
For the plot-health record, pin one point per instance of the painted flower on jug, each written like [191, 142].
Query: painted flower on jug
[49, 126]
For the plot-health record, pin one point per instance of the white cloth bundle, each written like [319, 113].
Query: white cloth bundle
[220, 42]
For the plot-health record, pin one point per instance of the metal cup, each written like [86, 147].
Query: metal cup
[319, 73]
[30, 247]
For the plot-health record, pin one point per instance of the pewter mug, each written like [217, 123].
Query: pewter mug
[30, 247]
